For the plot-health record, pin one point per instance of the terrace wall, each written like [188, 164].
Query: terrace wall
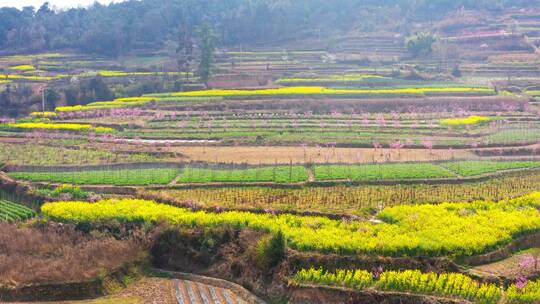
[327, 295]
[69, 290]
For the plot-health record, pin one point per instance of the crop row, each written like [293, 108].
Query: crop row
[454, 285]
[11, 212]
[455, 229]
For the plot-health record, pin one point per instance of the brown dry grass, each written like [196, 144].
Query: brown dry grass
[58, 253]
[271, 155]
[145, 290]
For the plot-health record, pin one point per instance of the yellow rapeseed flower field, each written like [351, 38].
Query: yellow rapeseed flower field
[24, 67]
[43, 114]
[336, 92]
[471, 120]
[59, 126]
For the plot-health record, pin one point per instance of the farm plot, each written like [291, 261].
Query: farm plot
[270, 155]
[381, 172]
[271, 174]
[277, 174]
[403, 171]
[55, 126]
[119, 177]
[455, 229]
[347, 130]
[13, 212]
[43, 154]
[523, 134]
[350, 200]
[474, 168]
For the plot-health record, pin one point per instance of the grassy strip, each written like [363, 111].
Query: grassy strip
[456, 229]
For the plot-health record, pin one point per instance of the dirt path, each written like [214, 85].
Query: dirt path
[311, 174]
[518, 265]
[189, 292]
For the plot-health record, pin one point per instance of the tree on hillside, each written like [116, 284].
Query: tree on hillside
[51, 99]
[207, 45]
[184, 50]
[421, 44]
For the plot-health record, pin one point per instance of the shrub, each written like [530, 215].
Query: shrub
[271, 250]
[73, 192]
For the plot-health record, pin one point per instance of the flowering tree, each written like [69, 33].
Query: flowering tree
[428, 144]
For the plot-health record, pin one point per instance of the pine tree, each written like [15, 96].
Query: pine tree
[208, 41]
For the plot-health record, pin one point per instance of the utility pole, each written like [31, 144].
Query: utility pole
[43, 100]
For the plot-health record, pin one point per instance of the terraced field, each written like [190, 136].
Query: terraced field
[162, 175]
[13, 212]
[189, 292]
[347, 162]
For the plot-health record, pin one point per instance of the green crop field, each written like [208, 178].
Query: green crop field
[12, 212]
[474, 168]
[381, 171]
[103, 177]
[278, 174]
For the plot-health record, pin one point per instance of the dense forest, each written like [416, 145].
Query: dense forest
[120, 28]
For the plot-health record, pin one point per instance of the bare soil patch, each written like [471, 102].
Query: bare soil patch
[272, 155]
